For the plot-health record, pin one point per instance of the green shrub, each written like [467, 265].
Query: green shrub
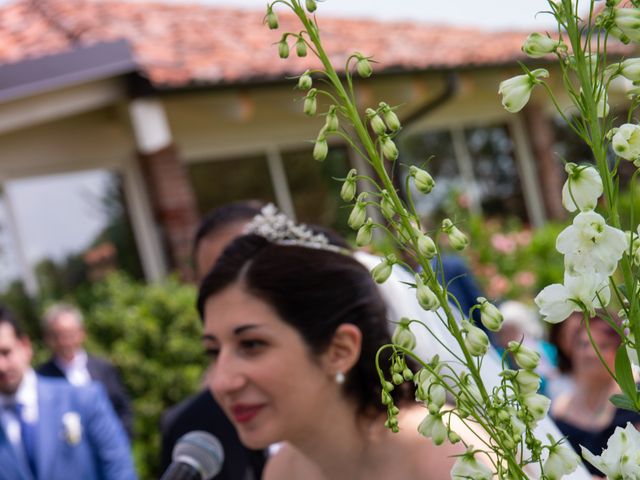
[152, 333]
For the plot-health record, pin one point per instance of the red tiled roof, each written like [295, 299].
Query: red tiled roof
[177, 45]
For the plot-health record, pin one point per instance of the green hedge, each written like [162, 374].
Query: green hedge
[152, 333]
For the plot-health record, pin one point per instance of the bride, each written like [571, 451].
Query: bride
[292, 328]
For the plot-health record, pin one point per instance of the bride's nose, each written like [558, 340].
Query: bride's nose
[226, 375]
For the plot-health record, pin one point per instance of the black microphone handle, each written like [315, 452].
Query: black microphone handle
[181, 471]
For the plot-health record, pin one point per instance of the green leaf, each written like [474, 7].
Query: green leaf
[625, 375]
[622, 401]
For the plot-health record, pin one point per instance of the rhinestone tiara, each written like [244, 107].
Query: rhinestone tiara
[276, 227]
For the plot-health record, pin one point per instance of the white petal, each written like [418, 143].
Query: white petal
[555, 304]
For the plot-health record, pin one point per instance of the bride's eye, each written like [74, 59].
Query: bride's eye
[252, 346]
[212, 353]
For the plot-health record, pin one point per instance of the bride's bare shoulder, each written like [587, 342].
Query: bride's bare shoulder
[289, 464]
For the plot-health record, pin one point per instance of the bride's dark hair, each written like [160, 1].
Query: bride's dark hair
[314, 291]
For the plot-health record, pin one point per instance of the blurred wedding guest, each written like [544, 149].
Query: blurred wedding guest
[65, 335]
[292, 331]
[585, 414]
[200, 411]
[50, 429]
[521, 323]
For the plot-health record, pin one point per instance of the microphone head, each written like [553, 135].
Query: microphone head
[202, 451]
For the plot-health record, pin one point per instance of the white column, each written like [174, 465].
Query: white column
[465, 165]
[145, 230]
[280, 183]
[528, 173]
[150, 125]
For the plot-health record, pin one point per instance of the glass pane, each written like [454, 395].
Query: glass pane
[314, 190]
[434, 152]
[72, 228]
[219, 182]
[496, 172]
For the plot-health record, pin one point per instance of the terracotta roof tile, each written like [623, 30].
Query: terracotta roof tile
[177, 44]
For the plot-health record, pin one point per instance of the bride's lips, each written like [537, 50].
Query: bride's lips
[245, 413]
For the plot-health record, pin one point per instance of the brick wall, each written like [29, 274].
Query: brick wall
[174, 205]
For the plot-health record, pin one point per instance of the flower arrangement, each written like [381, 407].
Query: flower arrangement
[601, 261]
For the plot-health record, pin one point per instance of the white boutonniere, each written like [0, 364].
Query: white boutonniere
[72, 426]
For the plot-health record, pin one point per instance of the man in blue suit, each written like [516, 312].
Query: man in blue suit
[49, 429]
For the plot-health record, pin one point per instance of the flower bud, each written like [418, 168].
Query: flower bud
[331, 123]
[320, 149]
[305, 82]
[490, 316]
[538, 405]
[516, 91]
[422, 180]
[453, 437]
[628, 21]
[476, 341]
[386, 205]
[377, 125]
[359, 213]
[403, 336]
[407, 374]
[457, 239]
[311, 6]
[426, 298]
[365, 234]
[389, 149]
[348, 190]
[390, 118]
[426, 246]
[527, 381]
[364, 67]
[537, 45]
[271, 19]
[630, 69]
[382, 271]
[310, 102]
[524, 357]
[386, 399]
[301, 47]
[582, 188]
[283, 47]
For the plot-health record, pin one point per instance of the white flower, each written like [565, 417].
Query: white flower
[582, 188]
[561, 461]
[72, 426]
[626, 141]
[590, 245]
[537, 45]
[556, 302]
[527, 381]
[467, 467]
[433, 427]
[516, 91]
[621, 458]
[602, 108]
[537, 404]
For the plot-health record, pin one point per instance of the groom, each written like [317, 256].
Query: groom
[49, 429]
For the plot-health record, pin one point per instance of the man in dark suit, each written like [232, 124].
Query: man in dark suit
[49, 429]
[200, 411]
[65, 336]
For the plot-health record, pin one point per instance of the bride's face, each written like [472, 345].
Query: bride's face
[262, 373]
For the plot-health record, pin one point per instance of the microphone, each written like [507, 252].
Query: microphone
[197, 455]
